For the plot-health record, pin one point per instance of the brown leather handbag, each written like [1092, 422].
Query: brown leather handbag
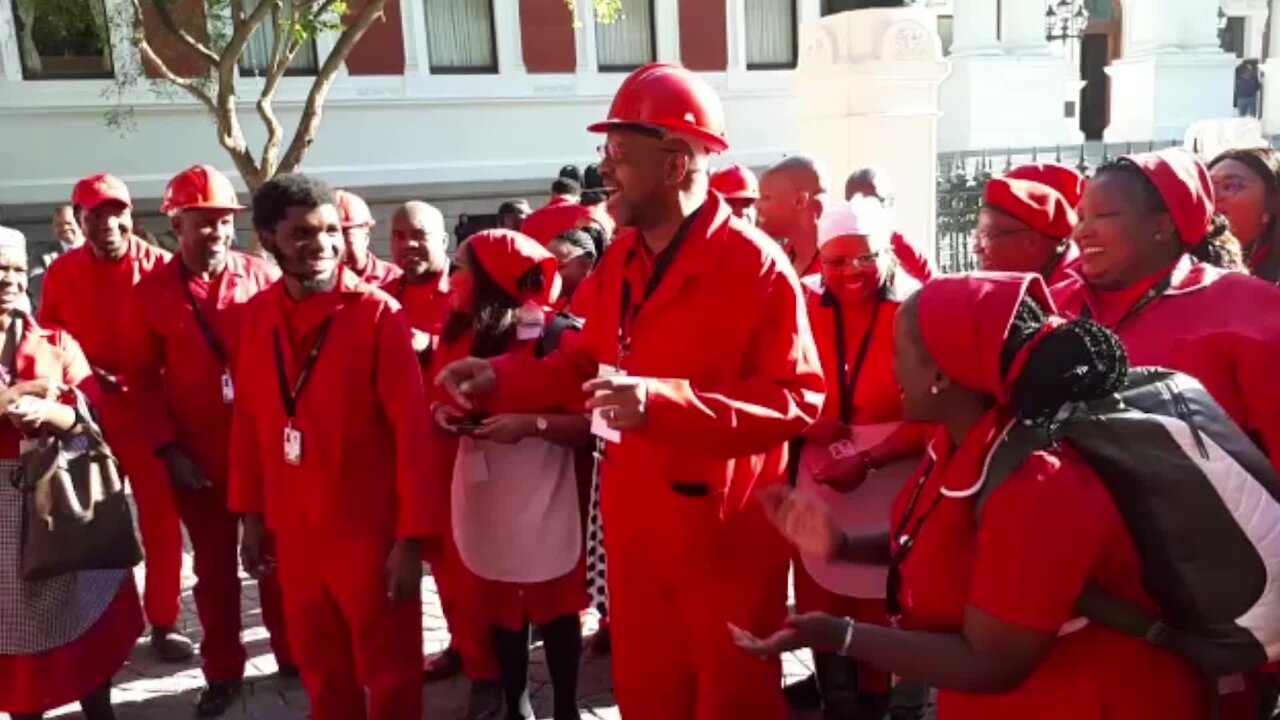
[75, 515]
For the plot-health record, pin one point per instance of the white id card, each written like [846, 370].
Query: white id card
[292, 446]
[599, 427]
[228, 388]
[842, 449]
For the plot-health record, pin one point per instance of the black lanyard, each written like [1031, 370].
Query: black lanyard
[290, 398]
[661, 264]
[907, 540]
[210, 335]
[846, 377]
[1149, 297]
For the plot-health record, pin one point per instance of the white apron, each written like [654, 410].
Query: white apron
[863, 511]
[515, 510]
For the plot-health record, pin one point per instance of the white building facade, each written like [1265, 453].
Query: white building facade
[469, 102]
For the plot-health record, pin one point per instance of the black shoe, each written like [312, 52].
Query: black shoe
[803, 694]
[486, 702]
[216, 699]
[602, 641]
[172, 646]
[442, 666]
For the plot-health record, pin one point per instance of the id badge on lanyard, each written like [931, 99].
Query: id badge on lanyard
[289, 395]
[228, 388]
[292, 445]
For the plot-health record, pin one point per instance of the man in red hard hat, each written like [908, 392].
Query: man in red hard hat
[700, 367]
[181, 340]
[357, 228]
[86, 293]
[740, 188]
[1025, 226]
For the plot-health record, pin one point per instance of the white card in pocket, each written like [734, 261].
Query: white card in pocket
[228, 388]
[599, 427]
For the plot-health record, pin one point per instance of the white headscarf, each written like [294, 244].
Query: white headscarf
[862, 215]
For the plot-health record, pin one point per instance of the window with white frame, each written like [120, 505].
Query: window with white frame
[771, 34]
[256, 59]
[460, 37]
[627, 42]
[63, 40]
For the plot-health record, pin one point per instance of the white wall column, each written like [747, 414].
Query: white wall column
[736, 35]
[975, 28]
[1022, 27]
[10, 53]
[1172, 72]
[1271, 74]
[867, 94]
[584, 37]
[506, 30]
[666, 26]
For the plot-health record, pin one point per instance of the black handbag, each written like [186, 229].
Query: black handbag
[75, 515]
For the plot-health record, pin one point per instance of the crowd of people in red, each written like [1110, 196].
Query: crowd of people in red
[755, 378]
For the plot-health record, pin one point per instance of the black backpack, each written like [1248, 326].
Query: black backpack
[552, 333]
[1202, 504]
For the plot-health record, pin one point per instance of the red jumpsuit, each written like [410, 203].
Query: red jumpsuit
[378, 272]
[733, 374]
[175, 374]
[1049, 529]
[1219, 327]
[360, 484]
[875, 399]
[89, 298]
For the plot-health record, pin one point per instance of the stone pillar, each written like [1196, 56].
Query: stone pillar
[867, 94]
[1172, 72]
[1271, 75]
[975, 28]
[1022, 27]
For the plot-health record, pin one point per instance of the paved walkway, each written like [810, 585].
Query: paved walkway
[149, 690]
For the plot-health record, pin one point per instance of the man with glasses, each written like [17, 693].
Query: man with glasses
[1025, 226]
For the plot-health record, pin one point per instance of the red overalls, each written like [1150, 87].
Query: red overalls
[361, 484]
[181, 337]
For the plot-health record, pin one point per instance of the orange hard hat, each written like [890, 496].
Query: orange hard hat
[736, 183]
[353, 210]
[95, 190]
[671, 99]
[199, 187]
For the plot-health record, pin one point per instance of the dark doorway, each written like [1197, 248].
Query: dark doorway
[1095, 96]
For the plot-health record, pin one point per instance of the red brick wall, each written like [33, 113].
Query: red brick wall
[704, 35]
[188, 14]
[381, 48]
[546, 36]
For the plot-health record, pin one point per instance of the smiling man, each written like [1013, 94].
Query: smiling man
[181, 338]
[86, 293]
[329, 420]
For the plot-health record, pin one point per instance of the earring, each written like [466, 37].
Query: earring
[933, 390]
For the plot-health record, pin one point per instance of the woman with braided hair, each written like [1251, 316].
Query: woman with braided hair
[985, 612]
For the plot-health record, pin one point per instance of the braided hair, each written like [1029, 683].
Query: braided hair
[1218, 247]
[1077, 362]
[492, 316]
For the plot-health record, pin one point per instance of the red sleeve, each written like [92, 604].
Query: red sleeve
[53, 297]
[528, 384]
[245, 481]
[781, 394]
[908, 440]
[142, 358]
[1039, 538]
[398, 381]
[75, 369]
[1260, 394]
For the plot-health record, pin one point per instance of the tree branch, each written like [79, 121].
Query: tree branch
[237, 14]
[313, 111]
[202, 51]
[284, 49]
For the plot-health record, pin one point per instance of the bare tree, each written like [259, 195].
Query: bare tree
[232, 23]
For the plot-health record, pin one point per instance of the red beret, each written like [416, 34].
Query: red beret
[1068, 182]
[548, 223]
[1041, 207]
[965, 320]
[507, 255]
[1184, 185]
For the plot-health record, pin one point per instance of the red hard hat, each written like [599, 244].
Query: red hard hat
[736, 183]
[353, 210]
[671, 99]
[199, 187]
[95, 190]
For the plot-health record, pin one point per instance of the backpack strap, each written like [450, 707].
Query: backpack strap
[1011, 451]
[551, 335]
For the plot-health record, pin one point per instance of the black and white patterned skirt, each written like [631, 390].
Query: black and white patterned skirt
[597, 567]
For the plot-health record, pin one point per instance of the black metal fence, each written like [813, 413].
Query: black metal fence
[963, 175]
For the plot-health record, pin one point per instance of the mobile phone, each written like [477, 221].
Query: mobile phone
[468, 427]
[22, 405]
